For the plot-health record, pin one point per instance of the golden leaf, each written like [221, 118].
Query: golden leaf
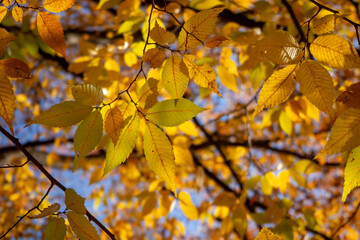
[352, 172]
[87, 94]
[161, 36]
[266, 234]
[7, 100]
[3, 12]
[15, 68]
[58, 5]
[351, 97]
[74, 202]
[82, 227]
[216, 41]
[5, 38]
[114, 123]
[155, 56]
[47, 211]
[186, 205]
[148, 93]
[324, 24]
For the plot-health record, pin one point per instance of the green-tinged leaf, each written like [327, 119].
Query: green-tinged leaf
[173, 112]
[198, 28]
[114, 123]
[175, 76]
[276, 89]
[148, 93]
[87, 135]
[82, 227]
[266, 234]
[203, 75]
[186, 205]
[7, 100]
[159, 154]
[335, 52]
[352, 172]
[279, 47]
[88, 94]
[115, 155]
[74, 202]
[63, 114]
[47, 211]
[317, 85]
[55, 229]
[345, 133]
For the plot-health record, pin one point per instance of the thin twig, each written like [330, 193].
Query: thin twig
[347, 221]
[15, 166]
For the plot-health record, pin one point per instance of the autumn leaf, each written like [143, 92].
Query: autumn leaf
[227, 79]
[266, 234]
[82, 227]
[352, 172]
[74, 202]
[317, 85]
[51, 32]
[114, 123]
[276, 89]
[5, 38]
[155, 57]
[350, 97]
[15, 68]
[198, 28]
[159, 154]
[175, 76]
[335, 52]
[55, 229]
[7, 100]
[161, 36]
[17, 14]
[87, 135]
[58, 5]
[3, 12]
[216, 41]
[186, 205]
[47, 211]
[148, 93]
[149, 205]
[173, 112]
[87, 94]
[119, 152]
[324, 24]
[63, 114]
[80, 64]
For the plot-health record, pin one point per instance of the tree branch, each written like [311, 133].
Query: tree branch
[347, 221]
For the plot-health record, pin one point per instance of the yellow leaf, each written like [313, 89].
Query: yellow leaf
[117, 154]
[198, 28]
[82, 227]
[276, 89]
[345, 133]
[203, 75]
[352, 172]
[114, 123]
[58, 5]
[63, 114]
[317, 85]
[161, 36]
[148, 93]
[173, 112]
[159, 154]
[286, 123]
[149, 205]
[55, 229]
[47, 211]
[5, 38]
[267, 182]
[155, 57]
[7, 100]
[266, 234]
[80, 64]
[74, 202]
[205, 4]
[7, 3]
[186, 205]
[279, 47]
[87, 94]
[335, 52]
[3, 12]
[87, 135]
[21, 1]
[130, 59]
[227, 226]
[324, 24]
[283, 180]
[17, 14]
[51, 32]
[175, 76]
[227, 79]
[15, 68]
[216, 41]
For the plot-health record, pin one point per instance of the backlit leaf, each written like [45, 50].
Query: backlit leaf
[186, 205]
[80, 64]
[266, 234]
[17, 14]
[216, 41]
[15, 68]
[47, 211]
[335, 52]
[352, 172]
[324, 24]
[351, 97]
[227, 79]
[63, 114]
[51, 32]
[88, 94]
[317, 85]
[82, 227]
[7, 100]
[114, 123]
[203, 75]
[87, 135]
[173, 112]
[279, 47]
[150, 204]
[276, 89]
[345, 133]
[175, 76]
[198, 28]
[74, 202]
[161, 36]
[3, 12]
[159, 154]
[55, 229]
[148, 93]
[155, 57]
[117, 154]
[5, 38]
[58, 5]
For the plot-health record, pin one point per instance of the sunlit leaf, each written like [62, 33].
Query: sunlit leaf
[88, 94]
[186, 205]
[74, 202]
[7, 100]
[266, 234]
[47, 211]
[324, 24]
[17, 14]
[82, 227]
[161, 36]
[58, 5]
[114, 123]
[352, 172]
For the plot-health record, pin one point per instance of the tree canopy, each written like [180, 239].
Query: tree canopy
[155, 119]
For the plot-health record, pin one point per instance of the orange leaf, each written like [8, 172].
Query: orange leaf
[17, 14]
[58, 5]
[15, 68]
